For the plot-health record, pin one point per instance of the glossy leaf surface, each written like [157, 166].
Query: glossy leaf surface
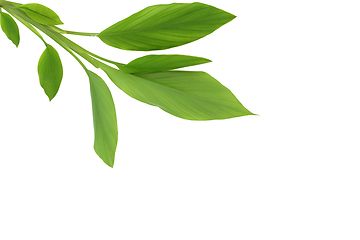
[188, 95]
[157, 63]
[50, 71]
[104, 117]
[10, 28]
[165, 26]
[41, 14]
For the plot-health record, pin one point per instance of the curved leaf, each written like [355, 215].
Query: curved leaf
[41, 14]
[157, 63]
[104, 117]
[188, 95]
[10, 28]
[165, 26]
[50, 71]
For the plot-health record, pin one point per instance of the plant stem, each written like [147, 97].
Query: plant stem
[57, 37]
[62, 31]
[29, 26]
[81, 33]
[8, 3]
[56, 34]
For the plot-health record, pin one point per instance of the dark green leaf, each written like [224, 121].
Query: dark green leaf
[104, 117]
[165, 26]
[41, 14]
[157, 63]
[50, 71]
[188, 95]
[10, 28]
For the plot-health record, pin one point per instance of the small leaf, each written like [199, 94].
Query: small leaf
[10, 28]
[104, 117]
[165, 26]
[188, 95]
[157, 63]
[50, 71]
[41, 14]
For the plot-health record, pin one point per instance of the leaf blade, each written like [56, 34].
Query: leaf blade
[50, 71]
[41, 14]
[10, 28]
[188, 95]
[104, 119]
[157, 63]
[165, 26]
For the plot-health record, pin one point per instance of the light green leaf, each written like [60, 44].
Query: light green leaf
[165, 26]
[10, 28]
[188, 95]
[104, 117]
[41, 14]
[157, 63]
[50, 71]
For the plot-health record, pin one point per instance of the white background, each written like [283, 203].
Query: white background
[290, 173]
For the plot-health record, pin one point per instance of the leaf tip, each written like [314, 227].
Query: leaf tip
[251, 113]
[107, 162]
[110, 165]
[50, 96]
[207, 60]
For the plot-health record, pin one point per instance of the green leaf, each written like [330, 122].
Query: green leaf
[188, 95]
[41, 14]
[104, 117]
[10, 28]
[165, 26]
[157, 63]
[50, 71]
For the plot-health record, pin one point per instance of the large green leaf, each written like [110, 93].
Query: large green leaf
[157, 63]
[41, 14]
[104, 117]
[188, 95]
[165, 26]
[10, 28]
[50, 71]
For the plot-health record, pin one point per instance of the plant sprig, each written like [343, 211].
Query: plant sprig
[151, 79]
